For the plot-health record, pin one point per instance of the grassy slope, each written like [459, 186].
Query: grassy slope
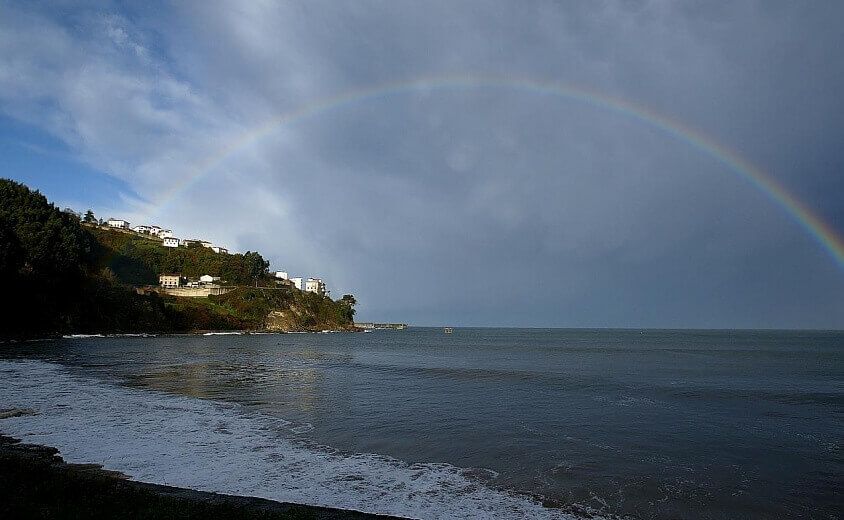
[137, 260]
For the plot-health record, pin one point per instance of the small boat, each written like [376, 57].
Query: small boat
[447, 330]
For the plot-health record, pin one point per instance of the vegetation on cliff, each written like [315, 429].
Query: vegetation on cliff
[64, 277]
[138, 260]
[262, 308]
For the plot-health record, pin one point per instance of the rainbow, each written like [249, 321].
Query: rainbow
[819, 230]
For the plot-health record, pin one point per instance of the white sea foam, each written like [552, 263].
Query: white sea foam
[162, 438]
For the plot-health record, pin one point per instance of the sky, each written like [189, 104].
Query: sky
[402, 152]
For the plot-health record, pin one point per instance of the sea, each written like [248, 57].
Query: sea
[479, 423]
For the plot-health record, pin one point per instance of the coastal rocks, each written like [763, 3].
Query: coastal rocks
[298, 318]
[284, 321]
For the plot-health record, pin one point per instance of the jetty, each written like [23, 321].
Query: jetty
[381, 326]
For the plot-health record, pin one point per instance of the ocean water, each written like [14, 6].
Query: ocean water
[481, 423]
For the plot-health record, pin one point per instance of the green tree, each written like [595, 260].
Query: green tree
[89, 217]
[256, 266]
[348, 302]
[11, 253]
[54, 244]
[46, 255]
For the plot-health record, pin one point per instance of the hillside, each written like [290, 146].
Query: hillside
[138, 259]
[63, 277]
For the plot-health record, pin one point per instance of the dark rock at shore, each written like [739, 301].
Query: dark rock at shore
[35, 482]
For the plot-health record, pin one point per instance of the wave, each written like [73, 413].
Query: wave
[211, 446]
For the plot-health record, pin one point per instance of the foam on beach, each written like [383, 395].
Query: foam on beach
[211, 446]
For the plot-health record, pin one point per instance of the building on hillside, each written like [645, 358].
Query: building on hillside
[169, 281]
[315, 285]
[189, 242]
[141, 229]
[281, 274]
[162, 233]
[207, 278]
[297, 283]
[218, 249]
[170, 242]
[118, 223]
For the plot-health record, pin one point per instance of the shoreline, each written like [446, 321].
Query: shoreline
[35, 481]
[198, 332]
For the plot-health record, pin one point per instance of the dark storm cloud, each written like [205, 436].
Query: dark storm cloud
[480, 205]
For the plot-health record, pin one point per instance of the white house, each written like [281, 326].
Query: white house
[315, 285]
[281, 274]
[171, 242]
[218, 249]
[118, 223]
[297, 283]
[141, 229]
[162, 233]
[207, 278]
[170, 280]
[154, 230]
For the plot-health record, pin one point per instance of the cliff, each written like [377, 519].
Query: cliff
[283, 309]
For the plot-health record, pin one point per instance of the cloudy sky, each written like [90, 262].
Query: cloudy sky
[455, 200]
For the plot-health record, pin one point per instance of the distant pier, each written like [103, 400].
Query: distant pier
[381, 326]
